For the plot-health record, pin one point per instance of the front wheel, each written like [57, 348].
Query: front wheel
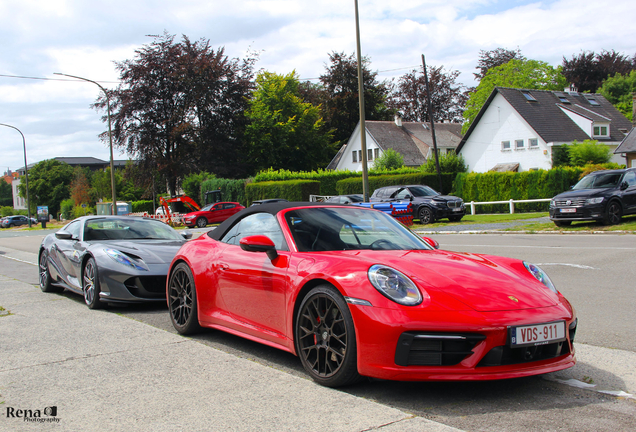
[90, 285]
[425, 215]
[182, 300]
[202, 222]
[325, 338]
[613, 214]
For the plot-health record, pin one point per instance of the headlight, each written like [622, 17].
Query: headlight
[594, 200]
[540, 275]
[552, 204]
[394, 285]
[121, 258]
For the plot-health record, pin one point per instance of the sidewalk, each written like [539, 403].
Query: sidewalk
[105, 372]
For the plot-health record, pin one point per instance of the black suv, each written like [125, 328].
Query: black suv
[428, 204]
[603, 196]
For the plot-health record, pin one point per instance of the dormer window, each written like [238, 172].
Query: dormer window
[601, 131]
[528, 96]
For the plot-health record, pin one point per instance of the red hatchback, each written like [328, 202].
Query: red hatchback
[352, 292]
[212, 213]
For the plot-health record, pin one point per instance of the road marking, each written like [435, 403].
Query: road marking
[581, 266]
[536, 247]
[583, 385]
[19, 260]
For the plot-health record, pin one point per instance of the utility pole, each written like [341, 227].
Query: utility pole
[432, 121]
[363, 128]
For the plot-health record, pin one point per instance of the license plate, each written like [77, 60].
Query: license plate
[458, 209]
[537, 334]
[567, 210]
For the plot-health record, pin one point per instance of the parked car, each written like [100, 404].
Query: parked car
[212, 213]
[603, 196]
[16, 220]
[110, 259]
[345, 199]
[428, 204]
[353, 293]
[267, 201]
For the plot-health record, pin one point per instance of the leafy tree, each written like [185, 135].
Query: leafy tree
[179, 108]
[587, 70]
[448, 163]
[560, 155]
[589, 152]
[410, 98]
[618, 91]
[284, 131]
[525, 74]
[390, 159]
[6, 194]
[493, 58]
[49, 182]
[341, 107]
[80, 186]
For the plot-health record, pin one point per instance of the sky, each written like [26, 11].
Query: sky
[86, 38]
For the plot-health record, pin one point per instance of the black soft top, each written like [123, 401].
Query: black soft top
[271, 208]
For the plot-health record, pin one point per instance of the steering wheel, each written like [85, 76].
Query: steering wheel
[383, 244]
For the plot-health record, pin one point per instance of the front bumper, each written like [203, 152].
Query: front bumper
[134, 287]
[382, 334]
[583, 213]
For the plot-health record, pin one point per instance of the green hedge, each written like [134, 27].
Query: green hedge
[142, 206]
[231, 190]
[495, 186]
[354, 185]
[292, 190]
[328, 178]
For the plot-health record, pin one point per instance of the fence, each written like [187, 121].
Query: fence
[511, 202]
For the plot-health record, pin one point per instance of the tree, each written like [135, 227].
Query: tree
[341, 107]
[588, 69]
[448, 163]
[6, 194]
[525, 74]
[410, 98]
[80, 187]
[390, 159]
[49, 182]
[493, 58]
[179, 108]
[589, 152]
[618, 91]
[285, 132]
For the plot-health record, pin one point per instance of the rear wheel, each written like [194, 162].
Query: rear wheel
[325, 338]
[45, 277]
[90, 285]
[182, 300]
[425, 215]
[613, 213]
[202, 222]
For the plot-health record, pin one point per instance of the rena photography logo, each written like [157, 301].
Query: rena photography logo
[46, 415]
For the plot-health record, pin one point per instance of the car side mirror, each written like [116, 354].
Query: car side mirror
[624, 185]
[432, 243]
[63, 235]
[259, 243]
[186, 235]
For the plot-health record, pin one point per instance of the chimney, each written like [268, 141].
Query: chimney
[571, 89]
[398, 120]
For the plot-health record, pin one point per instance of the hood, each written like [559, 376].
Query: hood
[445, 198]
[150, 251]
[583, 193]
[483, 283]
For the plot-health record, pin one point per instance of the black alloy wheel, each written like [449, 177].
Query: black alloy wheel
[202, 222]
[182, 300]
[90, 285]
[325, 338]
[425, 215]
[45, 277]
[613, 214]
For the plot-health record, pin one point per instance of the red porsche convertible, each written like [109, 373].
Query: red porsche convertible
[353, 293]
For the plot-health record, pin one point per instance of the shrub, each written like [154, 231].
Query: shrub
[66, 209]
[231, 190]
[589, 152]
[6, 211]
[142, 206]
[390, 159]
[448, 163]
[354, 185]
[292, 190]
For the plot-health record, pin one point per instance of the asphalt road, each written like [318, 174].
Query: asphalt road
[595, 272]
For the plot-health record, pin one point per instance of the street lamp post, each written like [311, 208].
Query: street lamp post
[110, 137]
[26, 171]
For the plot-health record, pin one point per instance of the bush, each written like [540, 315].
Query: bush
[231, 190]
[292, 190]
[448, 163]
[191, 184]
[142, 206]
[354, 185]
[589, 152]
[390, 159]
[82, 211]
[6, 211]
[66, 209]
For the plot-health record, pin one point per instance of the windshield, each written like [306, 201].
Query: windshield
[599, 181]
[422, 191]
[128, 229]
[330, 229]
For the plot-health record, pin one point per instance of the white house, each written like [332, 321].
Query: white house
[518, 128]
[413, 140]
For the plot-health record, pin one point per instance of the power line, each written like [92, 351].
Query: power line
[50, 79]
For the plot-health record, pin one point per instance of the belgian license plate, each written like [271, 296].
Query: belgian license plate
[458, 209]
[537, 334]
[567, 210]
